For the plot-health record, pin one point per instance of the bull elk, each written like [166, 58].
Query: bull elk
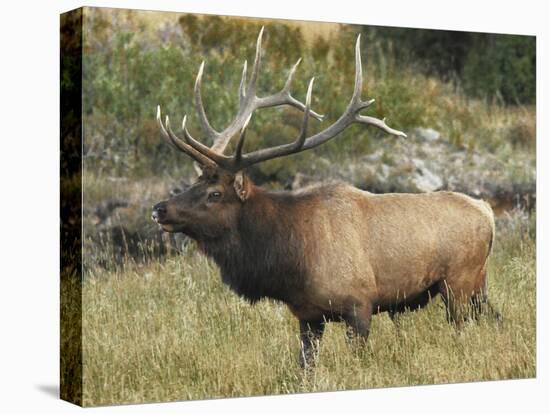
[330, 252]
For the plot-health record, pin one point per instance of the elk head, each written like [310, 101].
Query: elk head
[211, 206]
[207, 209]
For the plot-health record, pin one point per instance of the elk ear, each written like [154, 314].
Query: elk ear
[241, 185]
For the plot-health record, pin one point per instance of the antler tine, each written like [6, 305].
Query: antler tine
[303, 133]
[200, 158]
[229, 163]
[242, 86]
[358, 86]
[205, 151]
[358, 71]
[205, 124]
[162, 129]
[291, 75]
[285, 98]
[256, 66]
[240, 143]
[170, 137]
[379, 123]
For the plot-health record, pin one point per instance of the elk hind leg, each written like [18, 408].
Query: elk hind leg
[311, 333]
[480, 302]
[456, 303]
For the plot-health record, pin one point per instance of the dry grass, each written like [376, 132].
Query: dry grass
[173, 331]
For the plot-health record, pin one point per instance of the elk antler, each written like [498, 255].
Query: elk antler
[250, 102]
[171, 138]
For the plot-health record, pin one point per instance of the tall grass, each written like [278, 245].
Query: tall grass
[171, 331]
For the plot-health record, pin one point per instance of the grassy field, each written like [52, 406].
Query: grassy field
[171, 330]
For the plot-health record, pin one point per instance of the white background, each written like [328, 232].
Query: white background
[29, 206]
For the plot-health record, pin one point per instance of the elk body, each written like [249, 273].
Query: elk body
[330, 252]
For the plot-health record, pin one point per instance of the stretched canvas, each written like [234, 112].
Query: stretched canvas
[262, 207]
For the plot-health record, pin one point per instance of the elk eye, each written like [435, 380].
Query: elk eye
[214, 196]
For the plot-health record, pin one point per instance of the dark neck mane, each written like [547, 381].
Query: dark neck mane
[263, 256]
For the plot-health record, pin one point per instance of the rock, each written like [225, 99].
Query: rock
[429, 163]
[425, 180]
[419, 164]
[383, 172]
[375, 157]
[427, 134]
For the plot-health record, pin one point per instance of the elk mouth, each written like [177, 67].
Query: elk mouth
[164, 226]
[160, 216]
[162, 223]
[169, 228]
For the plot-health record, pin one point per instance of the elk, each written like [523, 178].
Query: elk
[330, 252]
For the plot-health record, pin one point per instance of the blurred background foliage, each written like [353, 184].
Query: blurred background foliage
[485, 65]
[477, 89]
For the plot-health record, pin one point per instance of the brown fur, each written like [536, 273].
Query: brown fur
[334, 252]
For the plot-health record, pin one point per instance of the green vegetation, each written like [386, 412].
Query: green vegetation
[486, 65]
[131, 65]
[171, 330]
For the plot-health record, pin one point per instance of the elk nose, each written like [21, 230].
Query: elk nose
[159, 211]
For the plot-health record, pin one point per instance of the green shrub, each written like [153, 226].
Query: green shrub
[485, 65]
[504, 66]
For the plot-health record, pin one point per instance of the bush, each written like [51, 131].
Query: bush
[502, 65]
[485, 65]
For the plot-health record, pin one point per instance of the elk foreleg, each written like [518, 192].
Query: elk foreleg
[358, 323]
[395, 317]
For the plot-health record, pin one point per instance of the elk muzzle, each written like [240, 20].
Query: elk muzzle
[159, 212]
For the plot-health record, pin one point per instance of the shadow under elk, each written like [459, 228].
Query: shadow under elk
[330, 252]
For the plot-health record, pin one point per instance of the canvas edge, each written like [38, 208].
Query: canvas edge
[71, 378]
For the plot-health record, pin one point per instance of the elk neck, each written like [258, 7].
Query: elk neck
[262, 256]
